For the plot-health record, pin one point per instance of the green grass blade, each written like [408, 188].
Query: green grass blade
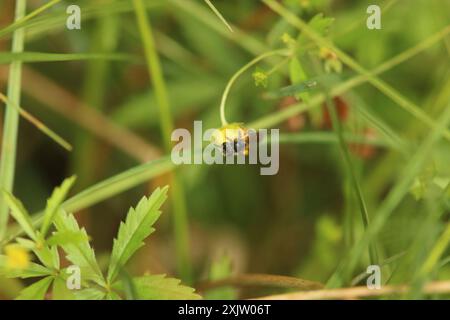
[21, 21]
[11, 123]
[437, 252]
[118, 183]
[28, 57]
[38, 124]
[156, 74]
[330, 138]
[219, 15]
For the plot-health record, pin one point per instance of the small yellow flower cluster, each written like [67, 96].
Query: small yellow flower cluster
[17, 257]
[261, 78]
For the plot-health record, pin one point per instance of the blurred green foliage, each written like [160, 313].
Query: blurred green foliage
[301, 222]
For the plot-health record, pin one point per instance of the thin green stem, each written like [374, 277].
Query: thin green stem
[278, 66]
[38, 124]
[233, 79]
[219, 15]
[11, 123]
[330, 138]
[180, 220]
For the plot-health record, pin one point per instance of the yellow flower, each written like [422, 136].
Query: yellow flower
[261, 78]
[17, 257]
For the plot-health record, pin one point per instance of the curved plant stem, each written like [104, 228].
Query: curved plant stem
[11, 124]
[282, 52]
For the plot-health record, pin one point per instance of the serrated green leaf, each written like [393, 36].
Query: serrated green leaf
[128, 286]
[81, 253]
[20, 214]
[55, 257]
[298, 75]
[89, 294]
[67, 237]
[158, 287]
[36, 291]
[60, 290]
[47, 255]
[54, 202]
[137, 227]
[32, 270]
[26, 243]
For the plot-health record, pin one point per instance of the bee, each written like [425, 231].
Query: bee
[232, 139]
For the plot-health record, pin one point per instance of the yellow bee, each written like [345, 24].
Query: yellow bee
[232, 139]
